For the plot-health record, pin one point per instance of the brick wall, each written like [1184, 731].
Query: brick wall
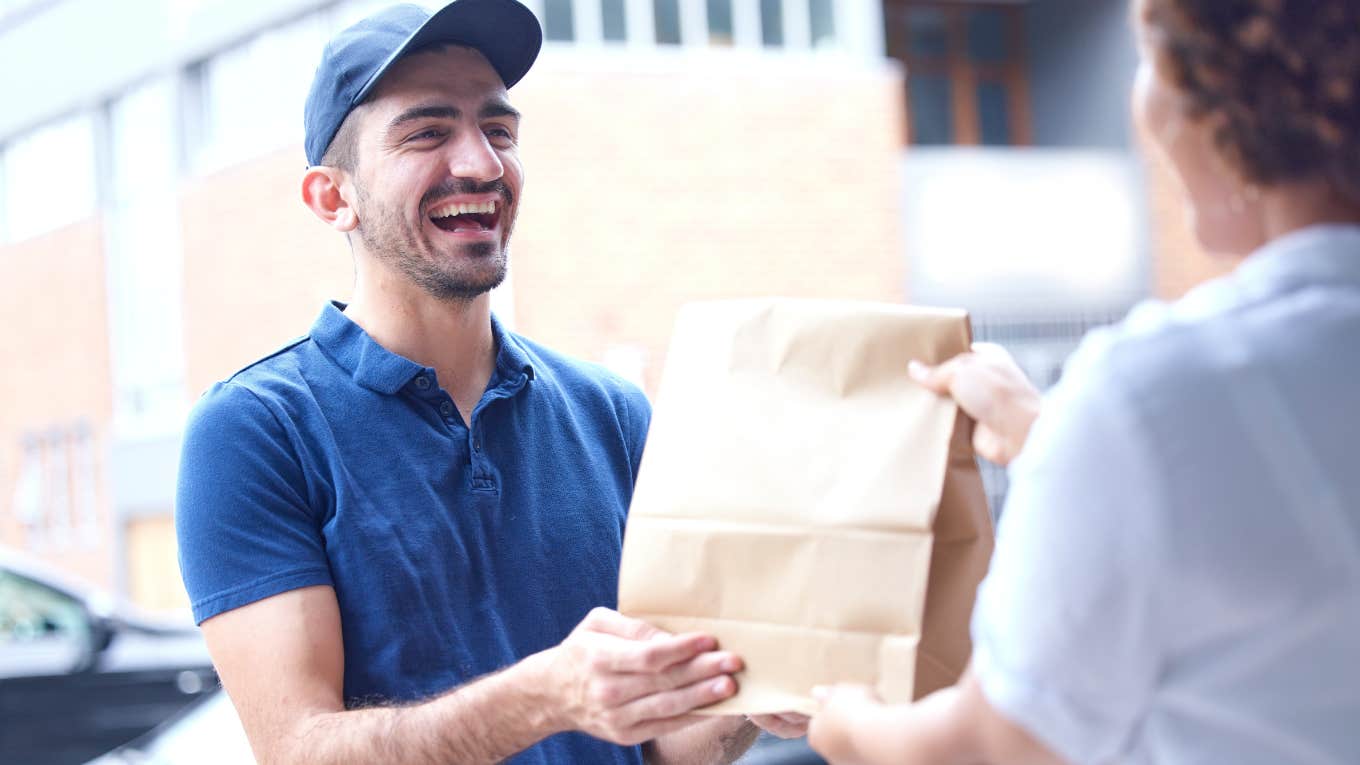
[56, 374]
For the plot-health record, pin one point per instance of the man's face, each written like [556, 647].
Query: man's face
[438, 178]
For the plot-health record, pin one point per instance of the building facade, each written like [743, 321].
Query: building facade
[153, 240]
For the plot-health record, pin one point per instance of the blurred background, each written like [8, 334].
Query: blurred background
[152, 237]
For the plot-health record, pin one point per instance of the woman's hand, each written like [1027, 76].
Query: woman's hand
[833, 730]
[990, 387]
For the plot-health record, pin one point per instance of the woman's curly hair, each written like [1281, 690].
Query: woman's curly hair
[1280, 79]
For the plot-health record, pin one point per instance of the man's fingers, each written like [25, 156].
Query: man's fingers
[681, 701]
[612, 622]
[622, 689]
[789, 725]
[651, 656]
[651, 729]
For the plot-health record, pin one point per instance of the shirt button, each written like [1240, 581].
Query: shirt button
[446, 409]
[476, 444]
[423, 382]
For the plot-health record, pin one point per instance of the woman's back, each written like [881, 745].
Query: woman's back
[1179, 563]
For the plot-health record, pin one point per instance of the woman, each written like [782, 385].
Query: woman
[1177, 576]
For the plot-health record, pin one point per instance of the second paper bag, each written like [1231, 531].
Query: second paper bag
[804, 501]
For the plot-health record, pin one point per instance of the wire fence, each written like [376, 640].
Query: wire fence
[1041, 345]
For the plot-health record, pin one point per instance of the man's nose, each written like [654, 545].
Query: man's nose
[473, 157]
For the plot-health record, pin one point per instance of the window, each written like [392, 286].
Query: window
[145, 262]
[720, 22]
[772, 23]
[558, 21]
[248, 100]
[55, 493]
[30, 611]
[4, 229]
[42, 631]
[965, 63]
[614, 21]
[49, 178]
[666, 14]
[822, 17]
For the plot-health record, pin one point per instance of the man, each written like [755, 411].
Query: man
[398, 531]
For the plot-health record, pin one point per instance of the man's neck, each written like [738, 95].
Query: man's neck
[453, 337]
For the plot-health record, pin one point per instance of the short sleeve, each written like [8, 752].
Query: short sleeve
[639, 419]
[245, 528]
[1066, 627]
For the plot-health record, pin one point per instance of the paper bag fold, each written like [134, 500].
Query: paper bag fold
[804, 501]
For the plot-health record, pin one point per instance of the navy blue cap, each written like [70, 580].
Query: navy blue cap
[504, 31]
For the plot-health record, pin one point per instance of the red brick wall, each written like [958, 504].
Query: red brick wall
[257, 265]
[643, 190]
[56, 371]
[653, 188]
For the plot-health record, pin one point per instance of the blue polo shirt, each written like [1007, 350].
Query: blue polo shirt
[455, 549]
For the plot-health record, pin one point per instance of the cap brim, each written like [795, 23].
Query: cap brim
[504, 31]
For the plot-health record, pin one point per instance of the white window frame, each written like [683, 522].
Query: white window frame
[796, 16]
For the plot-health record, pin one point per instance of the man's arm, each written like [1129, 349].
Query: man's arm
[954, 726]
[282, 662]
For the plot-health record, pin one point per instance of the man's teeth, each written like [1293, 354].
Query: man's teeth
[463, 208]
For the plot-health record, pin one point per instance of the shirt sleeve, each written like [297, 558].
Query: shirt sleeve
[246, 530]
[639, 421]
[1066, 628]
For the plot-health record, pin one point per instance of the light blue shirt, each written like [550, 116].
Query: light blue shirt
[1177, 575]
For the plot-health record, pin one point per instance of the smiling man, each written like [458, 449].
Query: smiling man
[401, 532]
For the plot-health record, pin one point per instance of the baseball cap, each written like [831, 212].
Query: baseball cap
[353, 62]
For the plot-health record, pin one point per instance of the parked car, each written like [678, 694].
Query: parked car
[207, 732]
[81, 673]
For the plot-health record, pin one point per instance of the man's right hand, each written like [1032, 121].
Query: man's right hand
[625, 681]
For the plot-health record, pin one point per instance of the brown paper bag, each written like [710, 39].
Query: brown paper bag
[799, 492]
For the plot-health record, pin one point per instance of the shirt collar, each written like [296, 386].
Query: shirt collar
[381, 370]
[1317, 255]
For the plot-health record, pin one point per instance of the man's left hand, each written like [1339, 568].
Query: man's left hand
[785, 725]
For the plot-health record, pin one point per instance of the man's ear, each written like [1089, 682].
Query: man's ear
[327, 191]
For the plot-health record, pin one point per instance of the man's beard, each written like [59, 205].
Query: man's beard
[474, 269]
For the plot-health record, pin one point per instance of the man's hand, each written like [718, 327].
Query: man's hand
[991, 388]
[626, 681]
[785, 725]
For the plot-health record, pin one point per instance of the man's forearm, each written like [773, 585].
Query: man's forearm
[485, 721]
[715, 741]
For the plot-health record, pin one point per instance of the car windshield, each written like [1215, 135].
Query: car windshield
[30, 611]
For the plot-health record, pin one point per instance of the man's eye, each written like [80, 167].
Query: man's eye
[501, 133]
[425, 135]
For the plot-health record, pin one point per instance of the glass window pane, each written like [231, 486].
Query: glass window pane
[987, 35]
[615, 23]
[250, 95]
[772, 23]
[4, 231]
[49, 178]
[720, 22]
[927, 33]
[30, 611]
[558, 24]
[823, 19]
[667, 16]
[931, 110]
[994, 114]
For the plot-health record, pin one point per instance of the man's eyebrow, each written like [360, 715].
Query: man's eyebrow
[498, 107]
[424, 112]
